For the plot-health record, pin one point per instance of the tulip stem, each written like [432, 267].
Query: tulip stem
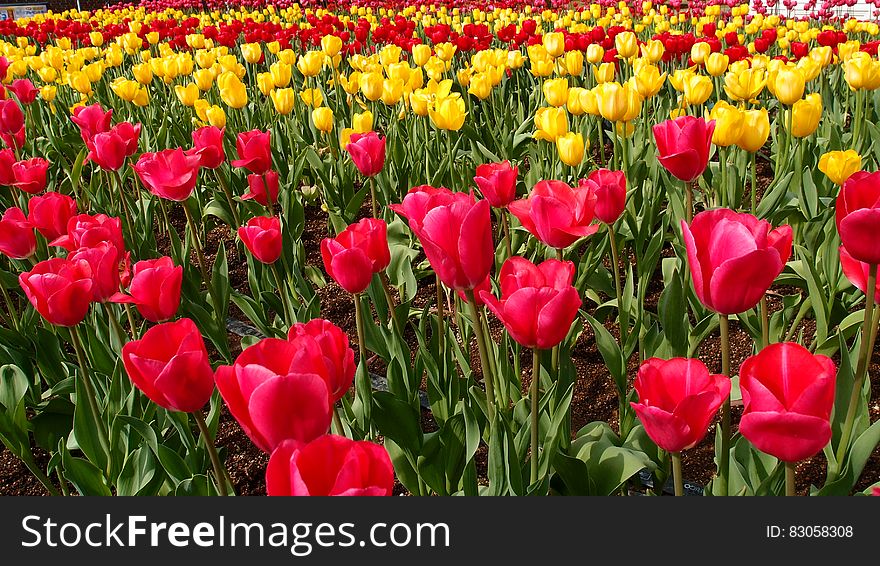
[288, 314]
[441, 327]
[865, 350]
[724, 457]
[501, 393]
[601, 142]
[765, 322]
[337, 422]
[505, 225]
[484, 354]
[676, 473]
[131, 324]
[359, 322]
[200, 253]
[754, 168]
[90, 392]
[689, 202]
[392, 313]
[212, 452]
[13, 312]
[790, 489]
[228, 193]
[622, 318]
[373, 197]
[533, 394]
[124, 201]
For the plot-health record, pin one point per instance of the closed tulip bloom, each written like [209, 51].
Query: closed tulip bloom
[716, 64]
[609, 187]
[648, 81]
[683, 146]
[448, 113]
[857, 272]
[862, 72]
[497, 182]
[265, 83]
[84, 231]
[17, 240]
[359, 251]
[104, 262]
[538, 303]
[557, 214]
[254, 151]
[556, 91]
[325, 349]
[108, 150]
[806, 115]
[330, 466]
[678, 399]
[595, 53]
[612, 101]
[554, 43]
[756, 130]
[11, 116]
[169, 364]
[421, 53]
[455, 231]
[232, 91]
[627, 44]
[59, 289]
[283, 99]
[734, 258]
[50, 213]
[857, 214]
[273, 397]
[7, 160]
[310, 63]
[788, 85]
[480, 86]
[745, 85]
[839, 166]
[362, 122]
[24, 90]
[697, 89]
[653, 50]
[550, 123]
[788, 394]
[330, 45]
[322, 118]
[170, 174]
[367, 153]
[729, 124]
[30, 174]
[700, 51]
[130, 134]
[604, 73]
[262, 237]
[281, 74]
[187, 95]
[570, 148]
[262, 188]
[208, 146]
[372, 85]
[574, 63]
[154, 289]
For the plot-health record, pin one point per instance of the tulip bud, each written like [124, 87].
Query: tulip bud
[839, 166]
[322, 118]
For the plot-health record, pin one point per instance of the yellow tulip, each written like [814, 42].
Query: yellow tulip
[419, 101]
[728, 124]
[697, 89]
[216, 116]
[48, 74]
[153, 38]
[283, 99]
[788, 85]
[554, 43]
[745, 85]
[862, 72]
[80, 82]
[48, 93]
[839, 166]
[265, 83]
[448, 113]
[542, 67]
[464, 77]
[627, 44]
[595, 53]
[756, 129]
[445, 51]
[281, 74]
[205, 59]
[251, 52]
[633, 103]
[187, 94]
[515, 60]
[653, 50]
[311, 97]
[399, 71]
[389, 55]
[204, 79]
[392, 91]
[716, 64]
[96, 38]
[420, 54]
[806, 115]
[556, 91]
[574, 63]
[352, 83]
[604, 73]
[363, 122]
[372, 85]
[345, 136]
[648, 81]
[612, 101]
[821, 55]
[322, 118]
[232, 90]
[142, 73]
[573, 104]
[331, 45]
[570, 148]
[550, 123]
[310, 63]
[700, 51]
[679, 78]
[480, 86]
[588, 102]
[808, 68]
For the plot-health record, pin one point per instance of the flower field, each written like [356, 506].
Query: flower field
[376, 248]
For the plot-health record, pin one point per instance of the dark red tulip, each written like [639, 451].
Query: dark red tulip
[734, 258]
[557, 214]
[497, 182]
[788, 394]
[254, 151]
[683, 146]
[17, 240]
[262, 237]
[272, 398]
[60, 290]
[356, 254]
[154, 289]
[169, 174]
[330, 465]
[30, 174]
[858, 216]
[169, 364]
[678, 399]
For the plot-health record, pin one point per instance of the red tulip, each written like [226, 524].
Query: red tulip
[11, 117]
[857, 273]
[367, 153]
[130, 134]
[677, 400]
[85, 231]
[104, 260]
[538, 303]
[424, 198]
[60, 290]
[557, 214]
[91, 120]
[50, 213]
[169, 364]
[7, 160]
[262, 237]
[155, 289]
[208, 145]
[610, 190]
[734, 258]
[24, 90]
[14, 140]
[330, 465]
[107, 149]
[30, 174]
[788, 394]
[497, 183]
[683, 146]
[254, 151]
[262, 188]
[271, 398]
[858, 216]
[17, 240]
[169, 174]
[324, 349]
[356, 254]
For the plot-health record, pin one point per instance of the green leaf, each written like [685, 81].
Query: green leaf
[610, 351]
[397, 420]
[85, 477]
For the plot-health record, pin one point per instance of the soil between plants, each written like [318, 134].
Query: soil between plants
[594, 399]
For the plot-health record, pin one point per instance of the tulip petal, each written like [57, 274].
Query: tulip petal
[788, 436]
[555, 318]
[738, 284]
[666, 430]
[858, 232]
[291, 406]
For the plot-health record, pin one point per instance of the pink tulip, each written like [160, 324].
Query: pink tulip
[358, 252]
[610, 190]
[85, 231]
[497, 183]
[262, 188]
[91, 120]
[208, 145]
[104, 261]
[557, 214]
[154, 289]
[30, 174]
[367, 152]
[683, 146]
[262, 237]
[169, 174]
[17, 240]
[60, 290]
[254, 151]
[324, 349]
[7, 160]
[858, 216]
